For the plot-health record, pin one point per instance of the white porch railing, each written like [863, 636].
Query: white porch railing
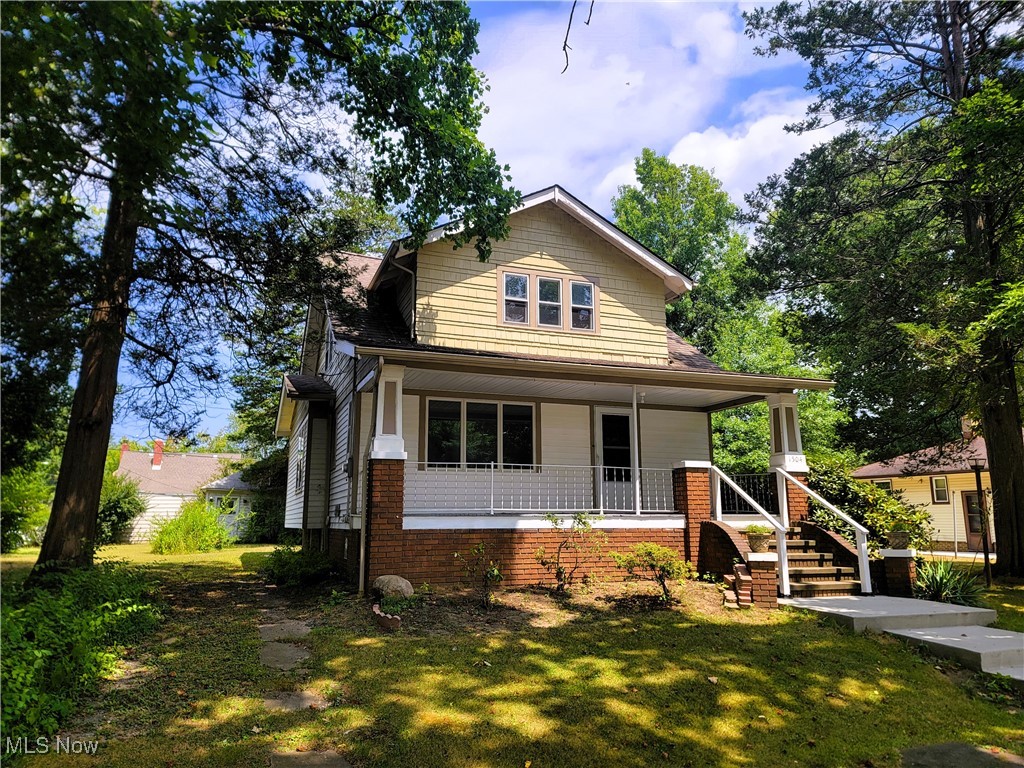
[779, 526]
[534, 488]
[860, 532]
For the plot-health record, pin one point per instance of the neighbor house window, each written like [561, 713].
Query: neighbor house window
[517, 306]
[582, 306]
[549, 302]
[940, 491]
[885, 485]
[478, 434]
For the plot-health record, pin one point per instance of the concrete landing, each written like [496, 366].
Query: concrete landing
[878, 613]
[959, 755]
[981, 648]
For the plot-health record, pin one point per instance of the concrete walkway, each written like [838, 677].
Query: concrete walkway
[952, 631]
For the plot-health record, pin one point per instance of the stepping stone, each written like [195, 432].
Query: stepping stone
[955, 753]
[308, 760]
[291, 701]
[283, 629]
[981, 648]
[282, 655]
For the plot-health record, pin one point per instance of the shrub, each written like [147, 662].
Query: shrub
[943, 582]
[120, 503]
[648, 560]
[760, 530]
[878, 510]
[290, 567]
[579, 544]
[482, 570]
[264, 524]
[59, 638]
[25, 497]
[395, 604]
[197, 528]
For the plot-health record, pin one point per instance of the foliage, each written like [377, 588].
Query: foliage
[899, 245]
[25, 496]
[120, 503]
[875, 508]
[59, 640]
[482, 570]
[268, 478]
[759, 530]
[395, 604]
[648, 560]
[290, 567]
[944, 582]
[578, 545]
[196, 528]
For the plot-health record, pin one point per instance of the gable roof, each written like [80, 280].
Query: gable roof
[232, 482]
[676, 283]
[180, 474]
[938, 460]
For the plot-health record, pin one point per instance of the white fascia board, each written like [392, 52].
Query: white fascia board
[676, 283]
[285, 410]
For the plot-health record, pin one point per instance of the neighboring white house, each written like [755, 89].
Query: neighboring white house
[168, 480]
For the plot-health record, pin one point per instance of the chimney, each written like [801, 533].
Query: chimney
[967, 428]
[158, 453]
[124, 447]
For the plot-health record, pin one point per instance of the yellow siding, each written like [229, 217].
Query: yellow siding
[457, 295]
[916, 490]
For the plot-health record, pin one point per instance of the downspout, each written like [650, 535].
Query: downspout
[635, 439]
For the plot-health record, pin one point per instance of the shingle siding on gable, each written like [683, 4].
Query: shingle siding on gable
[457, 295]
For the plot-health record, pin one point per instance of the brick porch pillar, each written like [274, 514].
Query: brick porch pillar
[764, 578]
[797, 501]
[691, 491]
[385, 502]
[900, 571]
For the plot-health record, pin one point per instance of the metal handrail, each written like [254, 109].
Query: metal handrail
[780, 529]
[859, 531]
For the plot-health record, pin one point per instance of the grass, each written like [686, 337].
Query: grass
[585, 681]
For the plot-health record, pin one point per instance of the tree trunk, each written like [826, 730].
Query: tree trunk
[71, 532]
[1001, 422]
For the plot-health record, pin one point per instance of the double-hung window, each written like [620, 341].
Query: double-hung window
[940, 491]
[517, 298]
[477, 434]
[582, 306]
[885, 485]
[547, 302]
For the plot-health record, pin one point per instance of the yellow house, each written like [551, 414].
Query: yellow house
[941, 481]
[462, 402]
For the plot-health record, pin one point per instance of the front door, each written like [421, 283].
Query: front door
[614, 457]
[973, 521]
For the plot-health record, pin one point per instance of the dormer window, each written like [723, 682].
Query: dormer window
[517, 306]
[547, 302]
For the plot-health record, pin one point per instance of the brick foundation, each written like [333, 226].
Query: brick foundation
[765, 585]
[900, 576]
[343, 549]
[721, 546]
[691, 491]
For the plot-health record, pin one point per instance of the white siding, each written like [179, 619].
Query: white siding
[159, 509]
[341, 481]
[365, 427]
[670, 436]
[319, 480]
[565, 434]
[296, 469]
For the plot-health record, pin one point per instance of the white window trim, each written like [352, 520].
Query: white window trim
[592, 306]
[935, 498]
[885, 485]
[522, 300]
[560, 303]
[462, 464]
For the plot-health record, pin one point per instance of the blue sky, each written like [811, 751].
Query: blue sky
[678, 77]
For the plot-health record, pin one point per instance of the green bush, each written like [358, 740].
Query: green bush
[59, 638]
[648, 560]
[120, 503]
[25, 497]
[479, 568]
[195, 529]
[878, 510]
[943, 582]
[290, 567]
[264, 523]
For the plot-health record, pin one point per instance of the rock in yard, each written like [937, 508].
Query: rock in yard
[392, 586]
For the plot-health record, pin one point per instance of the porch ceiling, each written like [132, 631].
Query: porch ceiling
[432, 381]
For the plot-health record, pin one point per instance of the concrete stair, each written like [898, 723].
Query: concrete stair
[812, 573]
[984, 648]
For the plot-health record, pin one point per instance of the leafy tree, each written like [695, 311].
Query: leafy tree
[25, 496]
[197, 128]
[902, 242]
[120, 503]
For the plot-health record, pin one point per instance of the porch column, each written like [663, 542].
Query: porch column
[388, 442]
[787, 452]
[691, 492]
[385, 503]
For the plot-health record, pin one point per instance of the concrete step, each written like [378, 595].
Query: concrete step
[976, 647]
[816, 573]
[812, 588]
[878, 613]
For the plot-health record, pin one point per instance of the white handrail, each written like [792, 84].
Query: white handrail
[781, 549]
[859, 531]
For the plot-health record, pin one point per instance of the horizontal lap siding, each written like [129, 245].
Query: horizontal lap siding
[319, 474]
[458, 296]
[159, 509]
[295, 496]
[565, 434]
[667, 437]
[365, 429]
[340, 483]
[917, 490]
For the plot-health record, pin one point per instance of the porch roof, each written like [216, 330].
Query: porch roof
[593, 382]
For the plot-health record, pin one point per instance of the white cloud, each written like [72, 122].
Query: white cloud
[641, 75]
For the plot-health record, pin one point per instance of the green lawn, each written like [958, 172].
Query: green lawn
[534, 682]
